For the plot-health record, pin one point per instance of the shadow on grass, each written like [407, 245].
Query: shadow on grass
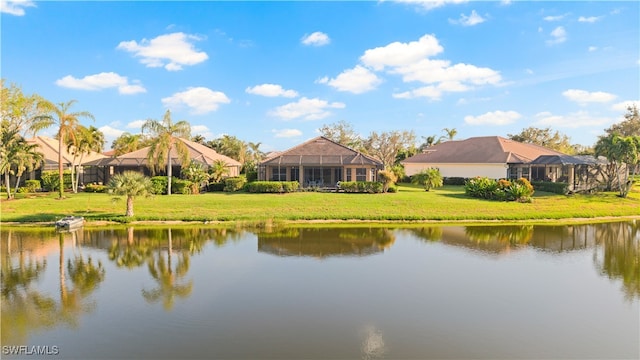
[49, 217]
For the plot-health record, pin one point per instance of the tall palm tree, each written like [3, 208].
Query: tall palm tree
[67, 122]
[127, 143]
[9, 138]
[26, 157]
[130, 184]
[88, 140]
[451, 133]
[164, 137]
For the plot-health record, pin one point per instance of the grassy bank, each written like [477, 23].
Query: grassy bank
[410, 203]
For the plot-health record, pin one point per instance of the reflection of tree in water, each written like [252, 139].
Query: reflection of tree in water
[428, 233]
[513, 235]
[23, 308]
[325, 242]
[168, 278]
[619, 255]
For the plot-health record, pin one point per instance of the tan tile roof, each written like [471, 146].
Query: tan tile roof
[481, 150]
[320, 151]
[197, 152]
[49, 148]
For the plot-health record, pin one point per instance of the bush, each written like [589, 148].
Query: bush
[252, 175]
[95, 188]
[23, 190]
[32, 185]
[552, 187]
[371, 187]
[159, 185]
[502, 190]
[51, 180]
[180, 186]
[272, 186]
[235, 183]
[454, 180]
[218, 186]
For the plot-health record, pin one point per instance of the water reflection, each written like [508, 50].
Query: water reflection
[323, 242]
[418, 292]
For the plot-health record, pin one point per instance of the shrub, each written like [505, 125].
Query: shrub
[370, 187]
[388, 178]
[159, 185]
[235, 183]
[51, 180]
[32, 185]
[481, 187]
[429, 178]
[95, 188]
[252, 175]
[180, 186]
[552, 187]
[272, 186]
[454, 180]
[23, 190]
[217, 186]
[502, 190]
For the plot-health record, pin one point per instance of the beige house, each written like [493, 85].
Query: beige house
[49, 149]
[488, 156]
[137, 161]
[319, 162]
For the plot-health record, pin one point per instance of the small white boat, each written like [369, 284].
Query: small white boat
[69, 222]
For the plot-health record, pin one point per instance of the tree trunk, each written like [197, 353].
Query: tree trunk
[17, 183]
[73, 177]
[60, 169]
[7, 184]
[169, 172]
[129, 206]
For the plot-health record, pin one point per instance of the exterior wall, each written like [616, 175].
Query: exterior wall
[492, 171]
[370, 173]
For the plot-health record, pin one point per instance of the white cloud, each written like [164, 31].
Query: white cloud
[572, 120]
[171, 51]
[286, 133]
[554, 17]
[430, 4]
[590, 19]
[136, 124]
[271, 90]
[583, 97]
[435, 71]
[493, 118]
[528, 71]
[432, 92]
[202, 130]
[357, 80]
[623, 105]
[401, 54]
[15, 7]
[558, 36]
[201, 100]
[469, 20]
[101, 81]
[316, 39]
[592, 48]
[110, 134]
[307, 109]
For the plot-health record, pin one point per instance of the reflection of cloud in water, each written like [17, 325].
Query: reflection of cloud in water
[373, 343]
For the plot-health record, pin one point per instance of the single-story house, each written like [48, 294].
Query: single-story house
[488, 156]
[137, 161]
[319, 162]
[49, 149]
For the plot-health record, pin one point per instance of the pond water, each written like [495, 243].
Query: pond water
[481, 292]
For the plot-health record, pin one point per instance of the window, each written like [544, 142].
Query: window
[279, 174]
[295, 173]
[348, 174]
[361, 174]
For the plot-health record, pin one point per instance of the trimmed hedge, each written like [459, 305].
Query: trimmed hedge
[219, 186]
[51, 180]
[272, 186]
[32, 185]
[235, 183]
[454, 181]
[95, 188]
[371, 187]
[552, 187]
[178, 186]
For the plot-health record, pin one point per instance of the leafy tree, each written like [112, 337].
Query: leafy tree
[630, 126]
[623, 153]
[544, 137]
[429, 141]
[231, 146]
[128, 142]
[19, 109]
[388, 178]
[386, 145]
[429, 178]
[16, 155]
[130, 184]
[164, 137]
[343, 133]
[26, 156]
[88, 140]
[197, 175]
[67, 123]
[198, 139]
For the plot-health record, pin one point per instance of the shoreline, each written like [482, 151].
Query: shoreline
[276, 223]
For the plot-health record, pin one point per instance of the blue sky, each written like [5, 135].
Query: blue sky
[274, 72]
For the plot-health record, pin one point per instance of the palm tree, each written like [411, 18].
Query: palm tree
[165, 136]
[429, 178]
[9, 137]
[67, 123]
[218, 170]
[127, 143]
[130, 184]
[451, 133]
[26, 157]
[88, 140]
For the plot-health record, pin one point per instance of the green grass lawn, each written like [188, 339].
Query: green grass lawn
[448, 203]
